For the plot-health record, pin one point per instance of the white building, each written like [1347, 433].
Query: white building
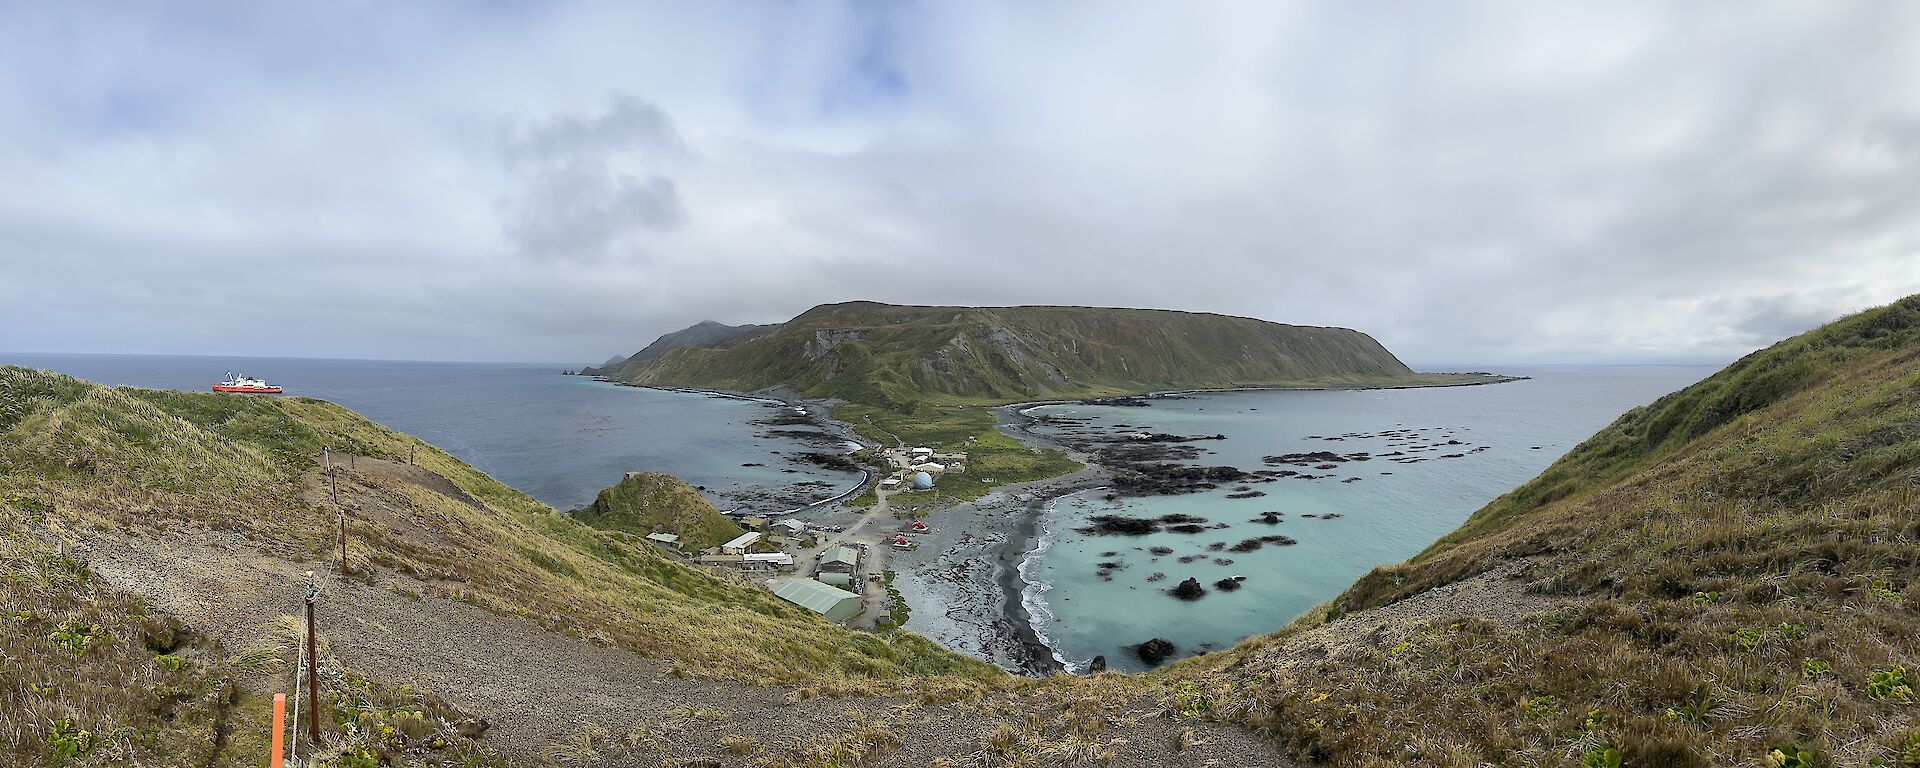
[739, 545]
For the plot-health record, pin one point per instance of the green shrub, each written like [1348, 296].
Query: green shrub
[1815, 667]
[69, 740]
[1891, 685]
[1538, 707]
[1790, 756]
[74, 636]
[1603, 756]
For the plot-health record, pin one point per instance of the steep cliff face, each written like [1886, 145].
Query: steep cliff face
[901, 355]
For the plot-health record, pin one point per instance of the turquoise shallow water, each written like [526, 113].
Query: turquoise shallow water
[1382, 518]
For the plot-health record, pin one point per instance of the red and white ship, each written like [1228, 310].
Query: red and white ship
[242, 383]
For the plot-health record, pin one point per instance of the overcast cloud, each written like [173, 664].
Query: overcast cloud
[1470, 182]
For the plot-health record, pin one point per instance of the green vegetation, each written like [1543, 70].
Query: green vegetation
[1731, 567]
[144, 460]
[649, 502]
[901, 357]
[993, 458]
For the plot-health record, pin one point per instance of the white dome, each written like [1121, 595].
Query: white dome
[922, 481]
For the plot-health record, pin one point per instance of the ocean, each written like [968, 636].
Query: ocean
[1100, 594]
[560, 439]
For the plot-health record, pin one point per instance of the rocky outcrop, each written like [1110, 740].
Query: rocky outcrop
[1190, 589]
[1155, 651]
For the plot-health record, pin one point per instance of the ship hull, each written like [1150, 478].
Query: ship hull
[248, 390]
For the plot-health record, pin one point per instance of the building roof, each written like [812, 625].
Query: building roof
[928, 467]
[834, 603]
[781, 558]
[664, 538]
[743, 539]
[847, 555]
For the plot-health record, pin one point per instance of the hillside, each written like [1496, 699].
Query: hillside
[649, 502]
[153, 545]
[705, 333]
[181, 482]
[1727, 576]
[901, 356]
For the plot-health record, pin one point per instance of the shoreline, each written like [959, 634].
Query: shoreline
[968, 592]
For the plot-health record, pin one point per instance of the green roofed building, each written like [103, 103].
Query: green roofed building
[837, 605]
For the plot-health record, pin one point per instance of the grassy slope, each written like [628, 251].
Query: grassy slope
[906, 356]
[146, 459]
[649, 502]
[1740, 563]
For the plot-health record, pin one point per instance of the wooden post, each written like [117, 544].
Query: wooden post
[313, 669]
[343, 542]
[353, 461]
[279, 730]
[409, 453]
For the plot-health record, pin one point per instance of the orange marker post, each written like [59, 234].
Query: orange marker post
[279, 728]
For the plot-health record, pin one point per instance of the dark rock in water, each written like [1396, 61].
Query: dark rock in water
[1327, 466]
[1099, 664]
[1161, 551]
[1316, 457]
[837, 461]
[1187, 528]
[1250, 545]
[1157, 576]
[753, 464]
[1226, 585]
[1268, 518]
[1190, 558]
[1222, 561]
[1218, 526]
[1113, 566]
[1155, 651]
[1190, 589]
[1146, 479]
[1351, 480]
[1330, 515]
[1216, 546]
[1120, 525]
[1109, 554]
[1246, 495]
[1242, 488]
[1179, 517]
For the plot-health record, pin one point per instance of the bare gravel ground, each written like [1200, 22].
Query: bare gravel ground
[553, 698]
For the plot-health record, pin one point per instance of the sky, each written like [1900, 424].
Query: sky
[1502, 182]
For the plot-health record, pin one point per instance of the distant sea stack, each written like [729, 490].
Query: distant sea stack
[901, 356]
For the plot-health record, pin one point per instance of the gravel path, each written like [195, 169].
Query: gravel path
[548, 694]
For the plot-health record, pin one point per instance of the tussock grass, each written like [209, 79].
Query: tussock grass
[146, 460]
[1735, 562]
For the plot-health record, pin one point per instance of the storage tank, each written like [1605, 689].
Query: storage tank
[922, 481]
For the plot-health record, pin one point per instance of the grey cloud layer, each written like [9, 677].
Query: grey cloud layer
[1470, 182]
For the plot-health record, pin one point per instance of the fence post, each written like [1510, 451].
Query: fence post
[313, 668]
[343, 542]
[279, 729]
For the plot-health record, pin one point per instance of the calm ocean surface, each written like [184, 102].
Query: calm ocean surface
[559, 438]
[1384, 518]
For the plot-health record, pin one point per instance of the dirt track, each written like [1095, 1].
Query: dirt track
[543, 692]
